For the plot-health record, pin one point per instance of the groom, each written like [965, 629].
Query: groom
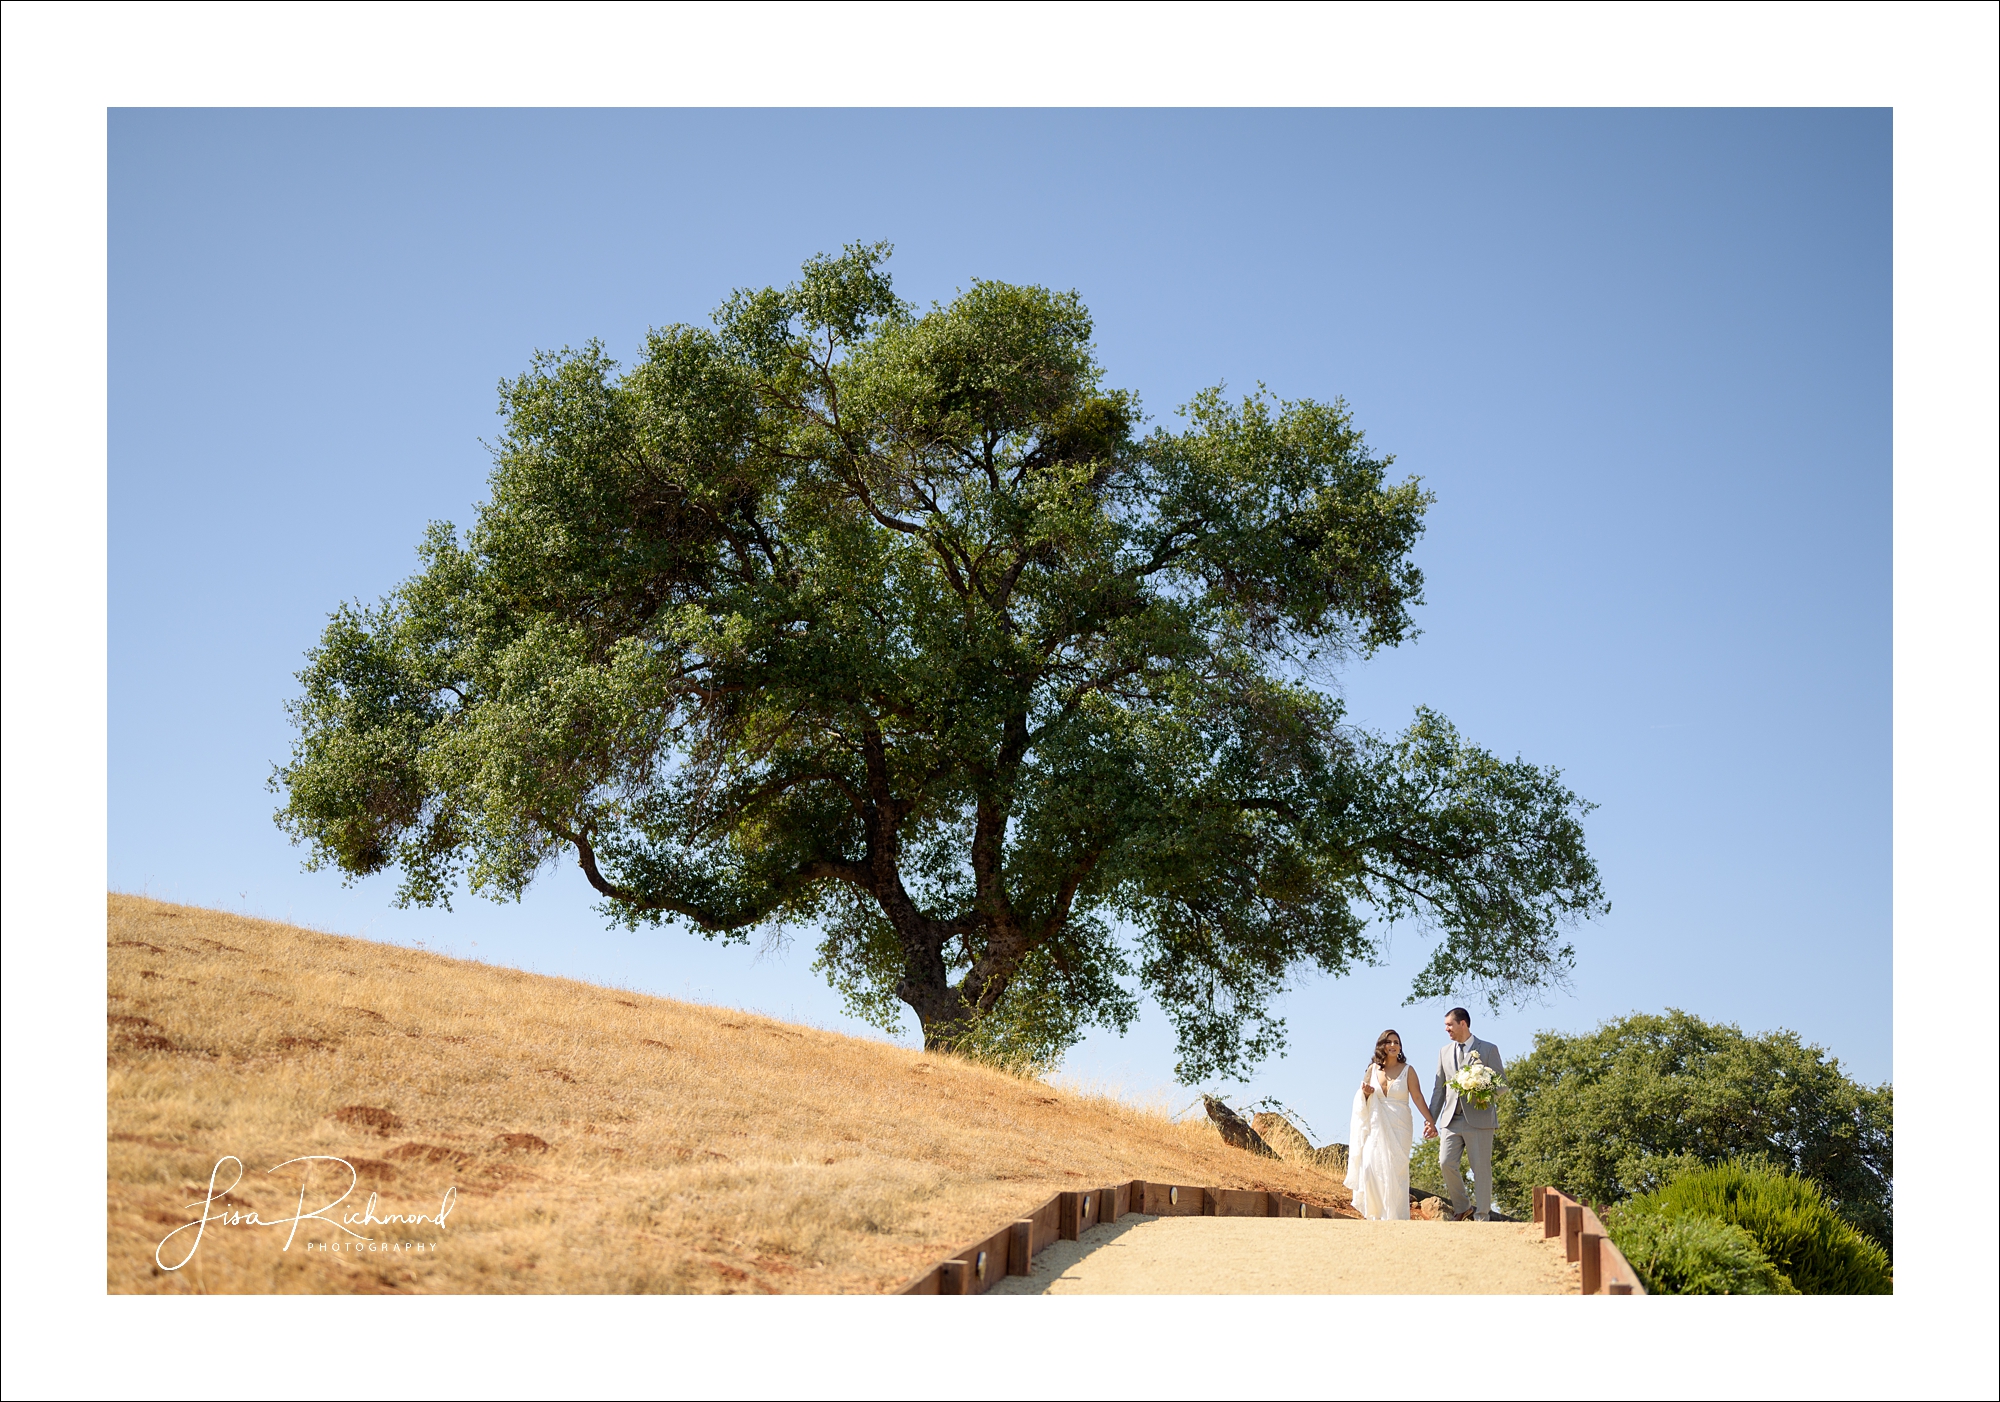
[1466, 1126]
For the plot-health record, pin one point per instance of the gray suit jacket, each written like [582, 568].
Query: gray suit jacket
[1444, 1100]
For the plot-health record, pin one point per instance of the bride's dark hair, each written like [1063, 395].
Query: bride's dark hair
[1382, 1047]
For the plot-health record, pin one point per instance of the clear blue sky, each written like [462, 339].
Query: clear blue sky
[1642, 358]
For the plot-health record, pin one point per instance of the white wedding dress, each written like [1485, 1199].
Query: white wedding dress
[1378, 1147]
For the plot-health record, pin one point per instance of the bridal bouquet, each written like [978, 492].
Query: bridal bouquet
[1475, 1083]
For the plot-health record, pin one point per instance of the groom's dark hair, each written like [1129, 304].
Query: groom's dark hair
[1460, 1015]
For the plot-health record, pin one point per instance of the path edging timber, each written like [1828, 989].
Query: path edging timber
[1068, 1215]
[1602, 1266]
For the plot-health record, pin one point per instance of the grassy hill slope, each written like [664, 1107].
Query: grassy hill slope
[596, 1140]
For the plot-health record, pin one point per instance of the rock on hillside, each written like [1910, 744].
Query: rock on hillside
[1236, 1132]
[1293, 1147]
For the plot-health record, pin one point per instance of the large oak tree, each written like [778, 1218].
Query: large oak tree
[902, 626]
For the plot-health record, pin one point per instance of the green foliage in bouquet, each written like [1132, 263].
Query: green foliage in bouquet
[1477, 1084]
[1625, 1109]
[1790, 1218]
[1695, 1256]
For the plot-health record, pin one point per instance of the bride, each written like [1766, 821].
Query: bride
[1379, 1135]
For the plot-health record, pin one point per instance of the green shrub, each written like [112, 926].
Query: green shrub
[1622, 1110]
[1695, 1256]
[1788, 1216]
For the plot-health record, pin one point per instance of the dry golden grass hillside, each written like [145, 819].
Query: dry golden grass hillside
[593, 1140]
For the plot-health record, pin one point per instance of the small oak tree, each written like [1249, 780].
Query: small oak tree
[898, 625]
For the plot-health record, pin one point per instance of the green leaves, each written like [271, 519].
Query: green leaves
[1695, 1255]
[1797, 1235]
[1493, 851]
[894, 623]
[1626, 1108]
[1285, 521]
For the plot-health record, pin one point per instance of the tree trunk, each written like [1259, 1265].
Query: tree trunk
[945, 1010]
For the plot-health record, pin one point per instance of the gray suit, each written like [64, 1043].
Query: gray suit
[1463, 1128]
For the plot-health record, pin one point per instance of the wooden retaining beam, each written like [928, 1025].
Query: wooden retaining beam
[1601, 1266]
[1067, 1216]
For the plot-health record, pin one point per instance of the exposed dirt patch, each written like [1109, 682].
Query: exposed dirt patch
[414, 1152]
[369, 1013]
[128, 1020]
[649, 1042]
[310, 1044]
[563, 1076]
[137, 944]
[372, 1118]
[374, 1170]
[523, 1143]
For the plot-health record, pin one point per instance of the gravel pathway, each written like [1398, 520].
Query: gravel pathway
[1141, 1255]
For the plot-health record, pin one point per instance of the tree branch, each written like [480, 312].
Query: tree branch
[707, 919]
